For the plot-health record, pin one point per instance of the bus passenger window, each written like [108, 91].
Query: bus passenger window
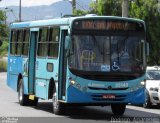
[25, 43]
[54, 42]
[19, 42]
[13, 42]
[43, 42]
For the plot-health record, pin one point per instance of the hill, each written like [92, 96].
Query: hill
[54, 10]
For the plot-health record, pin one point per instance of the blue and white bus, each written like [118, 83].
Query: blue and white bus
[88, 60]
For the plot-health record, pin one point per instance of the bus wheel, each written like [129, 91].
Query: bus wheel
[23, 99]
[147, 103]
[58, 108]
[118, 109]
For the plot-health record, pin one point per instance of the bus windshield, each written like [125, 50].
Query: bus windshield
[107, 53]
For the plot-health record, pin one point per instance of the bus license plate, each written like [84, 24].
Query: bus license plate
[108, 96]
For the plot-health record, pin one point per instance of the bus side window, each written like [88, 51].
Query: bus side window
[54, 42]
[26, 35]
[19, 42]
[13, 42]
[43, 42]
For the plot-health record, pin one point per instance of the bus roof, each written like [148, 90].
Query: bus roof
[65, 21]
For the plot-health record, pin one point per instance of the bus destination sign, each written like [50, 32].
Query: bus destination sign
[112, 25]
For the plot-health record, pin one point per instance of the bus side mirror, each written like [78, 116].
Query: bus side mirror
[67, 42]
[1, 43]
[68, 46]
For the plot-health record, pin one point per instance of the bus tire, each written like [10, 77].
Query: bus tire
[147, 103]
[118, 109]
[58, 107]
[23, 98]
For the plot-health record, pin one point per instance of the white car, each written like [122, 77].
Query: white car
[152, 86]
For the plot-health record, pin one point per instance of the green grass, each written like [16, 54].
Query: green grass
[3, 66]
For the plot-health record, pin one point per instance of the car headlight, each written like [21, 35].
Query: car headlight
[151, 89]
[154, 89]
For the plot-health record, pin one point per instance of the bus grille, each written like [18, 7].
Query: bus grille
[96, 88]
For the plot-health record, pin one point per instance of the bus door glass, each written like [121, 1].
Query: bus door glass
[62, 67]
[31, 62]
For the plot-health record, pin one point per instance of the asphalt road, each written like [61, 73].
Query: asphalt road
[11, 111]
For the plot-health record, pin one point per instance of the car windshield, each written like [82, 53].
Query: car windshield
[107, 53]
[153, 75]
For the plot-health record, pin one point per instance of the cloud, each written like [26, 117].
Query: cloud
[38, 2]
[5, 3]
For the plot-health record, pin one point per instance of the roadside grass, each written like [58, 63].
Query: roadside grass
[3, 66]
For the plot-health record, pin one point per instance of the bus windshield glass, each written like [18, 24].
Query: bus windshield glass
[107, 53]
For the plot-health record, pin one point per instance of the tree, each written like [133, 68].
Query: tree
[107, 7]
[147, 10]
[79, 12]
[3, 34]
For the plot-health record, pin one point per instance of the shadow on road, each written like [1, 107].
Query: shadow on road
[155, 107]
[45, 106]
[97, 113]
[83, 112]
[151, 107]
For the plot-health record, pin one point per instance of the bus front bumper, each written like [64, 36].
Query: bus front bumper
[76, 96]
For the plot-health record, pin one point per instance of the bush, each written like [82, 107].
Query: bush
[4, 49]
[3, 66]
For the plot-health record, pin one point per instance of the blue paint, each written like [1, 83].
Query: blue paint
[41, 82]
[14, 68]
[25, 83]
[76, 96]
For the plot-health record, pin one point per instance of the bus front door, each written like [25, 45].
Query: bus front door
[62, 68]
[31, 61]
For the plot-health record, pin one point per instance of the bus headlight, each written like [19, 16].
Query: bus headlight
[75, 84]
[143, 83]
[72, 82]
[138, 86]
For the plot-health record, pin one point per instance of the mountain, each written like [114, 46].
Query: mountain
[54, 10]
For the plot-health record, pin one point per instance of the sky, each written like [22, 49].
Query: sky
[5, 3]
